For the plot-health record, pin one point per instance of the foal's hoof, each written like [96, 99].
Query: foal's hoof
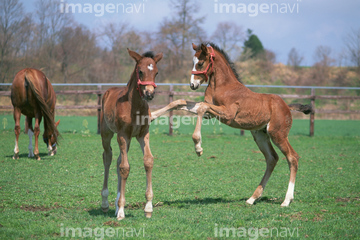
[250, 201]
[37, 157]
[120, 218]
[199, 153]
[105, 210]
[16, 156]
[148, 214]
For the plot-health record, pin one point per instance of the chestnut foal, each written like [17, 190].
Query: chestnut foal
[33, 95]
[121, 110]
[267, 116]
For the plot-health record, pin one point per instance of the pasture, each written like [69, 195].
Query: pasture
[194, 198]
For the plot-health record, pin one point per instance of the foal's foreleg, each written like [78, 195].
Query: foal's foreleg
[107, 158]
[148, 164]
[123, 170]
[171, 106]
[202, 108]
[176, 105]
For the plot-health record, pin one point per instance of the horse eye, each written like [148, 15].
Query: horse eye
[140, 73]
[200, 64]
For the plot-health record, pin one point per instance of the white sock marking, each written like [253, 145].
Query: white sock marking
[116, 203]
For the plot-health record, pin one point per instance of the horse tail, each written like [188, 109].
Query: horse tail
[306, 109]
[49, 123]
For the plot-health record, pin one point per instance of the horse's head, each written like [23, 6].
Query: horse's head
[146, 71]
[50, 140]
[203, 65]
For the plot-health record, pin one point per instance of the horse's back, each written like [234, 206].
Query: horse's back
[22, 94]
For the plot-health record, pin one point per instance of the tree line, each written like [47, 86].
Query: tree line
[69, 52]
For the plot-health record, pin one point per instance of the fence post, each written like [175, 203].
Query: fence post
[99, 109]
[171, 96]
[312, 114]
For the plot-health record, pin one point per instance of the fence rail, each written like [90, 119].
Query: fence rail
[99, 92]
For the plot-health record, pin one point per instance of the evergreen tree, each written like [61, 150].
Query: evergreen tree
[253, 44]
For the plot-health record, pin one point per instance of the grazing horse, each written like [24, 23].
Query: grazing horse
[267, 116]
[125, 111]
[33, 95]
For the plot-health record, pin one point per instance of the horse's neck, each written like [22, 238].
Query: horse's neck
[132, 86]
[222, 80]
[133, 92]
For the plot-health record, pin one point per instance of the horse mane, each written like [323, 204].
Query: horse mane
[226, 56]
[149, 54]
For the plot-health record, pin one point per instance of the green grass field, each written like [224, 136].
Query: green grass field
[194, 198]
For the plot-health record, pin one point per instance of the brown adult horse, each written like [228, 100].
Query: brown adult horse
[33, 95]
[267, 116]
[125, 111]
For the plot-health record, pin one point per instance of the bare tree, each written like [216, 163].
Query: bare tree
[229, 36]
[294, 58]
[322, 56]
[13, 24]
[321, 69]
[352, 43]
[76, 52]
[183, 28]
[51, 22]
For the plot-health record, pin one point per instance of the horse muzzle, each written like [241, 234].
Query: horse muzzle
[149, 95]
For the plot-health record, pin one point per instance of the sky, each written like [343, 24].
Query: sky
[279, 24]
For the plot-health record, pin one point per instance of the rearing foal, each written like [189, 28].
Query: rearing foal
[267, 116]
[121, 110]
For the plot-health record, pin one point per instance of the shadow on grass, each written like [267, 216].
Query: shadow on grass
[25, 155]
[185, 203]
[200, 201]
[110, 213]
[271, 200]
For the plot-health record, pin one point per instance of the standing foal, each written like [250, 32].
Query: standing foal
[121, 110]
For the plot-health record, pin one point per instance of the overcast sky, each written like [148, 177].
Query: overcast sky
[279, 24]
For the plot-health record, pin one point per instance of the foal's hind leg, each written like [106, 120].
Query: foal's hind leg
[263, 141]
[148, 164]
[292, 158]
[37, 133]
[107, 158]
[17, 115]
[30, 133]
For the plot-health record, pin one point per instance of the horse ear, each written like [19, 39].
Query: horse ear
[158, 57]
[57, 123]
[137, 57]
[204, 48]
[194, 46]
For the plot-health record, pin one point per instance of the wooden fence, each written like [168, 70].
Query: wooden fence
[171, 93]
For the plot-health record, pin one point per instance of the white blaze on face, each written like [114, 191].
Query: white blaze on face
[150, 67]
[192, 80]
